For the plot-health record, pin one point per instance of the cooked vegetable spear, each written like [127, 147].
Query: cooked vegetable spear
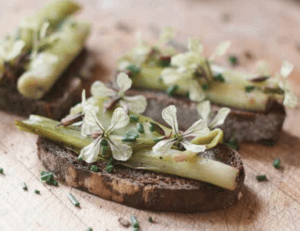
[49, 64]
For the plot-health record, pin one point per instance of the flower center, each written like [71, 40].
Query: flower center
[178, 137]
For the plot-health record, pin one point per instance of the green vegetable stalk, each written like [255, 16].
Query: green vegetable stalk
[193, 166]
[45, 69]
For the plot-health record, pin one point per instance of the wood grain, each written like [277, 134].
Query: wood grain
[267, 29]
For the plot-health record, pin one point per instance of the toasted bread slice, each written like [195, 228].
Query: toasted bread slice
[241, 124]
[143, 189]
[56, 104]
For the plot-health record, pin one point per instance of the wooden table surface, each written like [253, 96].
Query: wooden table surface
[269, 30]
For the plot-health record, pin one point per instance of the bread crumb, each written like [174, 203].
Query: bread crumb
[124, 222]
[240, 195]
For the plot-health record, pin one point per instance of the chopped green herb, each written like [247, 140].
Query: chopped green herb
[249, 88]
[103, 143]
[110, 162]
[134, 118]
[134, 222]
[232, 59]
[233, 143]
[132, 133]
[261, 177]
[150, 219]
[73, 200]
[55, 183]
[134, 70]
[104, 150]
[276, 163]
[130, 136]
[36, 191]
[205, 87]
[140, 128]
[89, 229]
[129, 139]
[219, 77]
[156, 128]
[187, 94]
[164, 63]
[24, 186]
[151, 128]
[171, 90]
[109, 168]
[268, 142]
[1, 170]
[48, 177]
[80, 159]
[94, 168]
[156, 140]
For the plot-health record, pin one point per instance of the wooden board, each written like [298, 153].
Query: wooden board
[267, 29]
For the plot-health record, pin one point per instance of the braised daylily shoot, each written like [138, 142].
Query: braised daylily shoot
[193, 75]
[106, 135]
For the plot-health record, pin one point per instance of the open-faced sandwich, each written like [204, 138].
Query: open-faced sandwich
[34, 61]
[107, 148]
[199, 88]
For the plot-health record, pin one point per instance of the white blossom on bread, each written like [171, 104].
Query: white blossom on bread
[136, 103]
[120, 151]
[199, 128]
[190, 66]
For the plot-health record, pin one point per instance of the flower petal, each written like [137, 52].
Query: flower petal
[199, 128]
[124, 82]
[90, 121]
[193, 147]
[15, 50]
[195, 92]
[44, 29]
[187, 60]
[120, 151]
[169, 115]
[136, 103]
[90, 153]
[290, 99]
[221, 49]
[204, 110]
[171, 76]
[163, 145]
[100, 90]
[194, 45]
[166, 35]
[119, 119]
[219, 118]
[286, 69]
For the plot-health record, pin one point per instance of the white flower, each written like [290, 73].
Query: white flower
[193, 68]
[11, 49]
[136, 104]
[199, 128]
[120, 151]
[204, 110]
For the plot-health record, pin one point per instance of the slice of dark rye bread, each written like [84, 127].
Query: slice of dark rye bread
[55, 104]
[241, 124]
[140, 188]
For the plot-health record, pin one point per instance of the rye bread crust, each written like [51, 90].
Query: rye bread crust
[241, 124]
[55, 104]
[143, 189]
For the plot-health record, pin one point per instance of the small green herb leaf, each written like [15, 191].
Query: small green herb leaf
[171, 90]
[36, 191]
[104, 143]
[1, 170]
[73, 200]
[80, 159]
[134, 118]
[233, 143]
[134, 222]
[150, 219]
[156, 128]
[94, 168]
[276, 163]
[140, 128]
[205, 87]
[156, 140]
[261, 177]
[134, 70]
[219, 77]
[109, 168]
[232, 59]
[249, 88]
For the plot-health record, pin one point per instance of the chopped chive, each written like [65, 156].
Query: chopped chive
[103, 143]
[205, 87]
[110, 162]
[134, 70]
[94, 168]
[219, 77]
[140, 128]
[129, 139]
[89, 229]
[232, 59]
[156, 128]
[55, 183]
[132, 133]
[73, 200]
[24, 186]
[134, 222]
[134, 118]
[36, 191]
[249, 88]
[1, 170]
[151, 128]
[276, 163]
[261, 177]
[171, 90]
[109, 168]
[46, 175]
[150, 219]
[156, 140]
[187, 94]
[104, 150]
[80, 158]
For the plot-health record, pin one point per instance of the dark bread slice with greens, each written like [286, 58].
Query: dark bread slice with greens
[240, 124]
[56, 104]
[140, 188]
